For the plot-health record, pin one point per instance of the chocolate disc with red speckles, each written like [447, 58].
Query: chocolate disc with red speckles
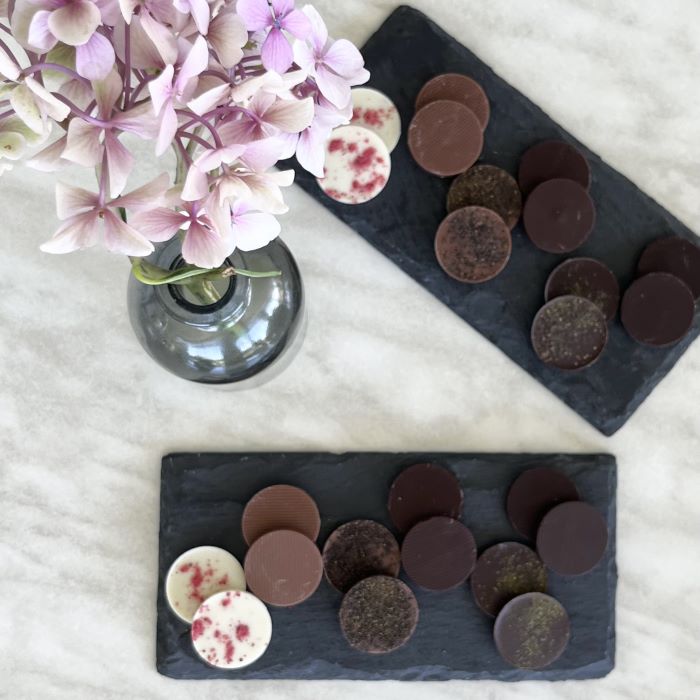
[551, 160]
[675, 255]
[373, 110]
[456, 88]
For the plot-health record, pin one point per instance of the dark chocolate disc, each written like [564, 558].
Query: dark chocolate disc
[422, 491]
[378, 615]
[587, 278]
[657, 309]
[533, 494]
[572, 538]
[551, 160]
[438, 553]
[457, 88]
[445, 138]
[490, 187]
[473, 245]
[504, 572]
[357, 550]
[559, 216]
[676, 255]
[569, 333]
[532, 631]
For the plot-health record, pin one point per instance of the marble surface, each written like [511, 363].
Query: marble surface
[85, 415]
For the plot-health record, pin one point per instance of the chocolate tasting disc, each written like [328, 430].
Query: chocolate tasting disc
[457, 88]
[550, 160]
[676, 255]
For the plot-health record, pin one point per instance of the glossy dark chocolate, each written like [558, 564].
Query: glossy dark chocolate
[550, 160]
[457, 88]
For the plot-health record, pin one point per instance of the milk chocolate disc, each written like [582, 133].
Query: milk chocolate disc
[587, 278]
[572, 538]
[504, 572]
[445, 138]
[675, 255]
[473, 245]
[457, 88]
[357, 550]
[422, 491]
[490, 187]
[378, 615]
[532, 631]
[657, 309]
[550, 160]
[438, 553]
[559, 216]
[569, 333]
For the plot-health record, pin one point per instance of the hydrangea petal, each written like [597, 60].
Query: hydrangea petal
[343, 58]
[94, 59]
[253, 230]
[22, 101]
[204, 247]
[107, 92]
[255, 14]
[311, 149]
[12, 145]
[276, 52]
[158, 224]
[319, 31]
[39, 35]
[71, 201]
[227, 36]
[297, 23]
[47, 102]
[77, 233]
[333, 87]
[291, 116]
[120, 163]
[122, 238]
[49, 159]
[83, 143]
[75, 22]
[161, 36]
[8, 67]
[168, 128]
[161, 89]
[145, 197]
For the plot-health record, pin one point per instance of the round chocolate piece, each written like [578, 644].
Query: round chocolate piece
[559, 216]
[551, 160]
[438, 553]
[358, 550]
[373, 110]
[532, 631]
[675, 255]
[445, 138]
[489, 187]
[422, 491]
[457, 88]
[658, 309]
[378, 615]
[572, 538]
[569, 333]
[283, 568]
[504, 572]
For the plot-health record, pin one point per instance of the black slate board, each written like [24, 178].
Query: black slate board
[202, 499]
[401, 222]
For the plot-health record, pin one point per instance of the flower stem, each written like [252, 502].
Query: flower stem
[58, 68]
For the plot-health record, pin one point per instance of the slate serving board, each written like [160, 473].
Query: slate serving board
[202, 499]
[401, 222]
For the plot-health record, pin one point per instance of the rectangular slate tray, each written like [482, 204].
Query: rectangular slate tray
[202, 499]
[401, 222]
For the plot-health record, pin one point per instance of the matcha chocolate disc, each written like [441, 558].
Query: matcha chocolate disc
[504, 572]
[676, 255]
[438, 553]
[445, 138]
[569, 333]
[572, 538]
[378, 615]
[587, 278]
[357, 550]
[473, 245]
[532, 631]
[490, 187]
[657, 309]
[533, 494]
[422, 491]
[550, 160]
[457, 88]
[559, 216]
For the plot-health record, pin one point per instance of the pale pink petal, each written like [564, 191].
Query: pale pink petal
[282, 7]
[120, 163]
[281, 178]
[148, 196]
[83, 146]
[40, 36]
[122, 238]
[204, 247]
[168, 128]
[311, 149]
[71, 201]
[25, 106]
[276, 52]
[261, 155]
[287, 145]
[200, 13]
[359, 78]
[255, 14]
[297, 24]
[157, 224]
[8, 67]
[291, 116]
[161, 89]
[220, 216]
[343, 58]
[304, 56]
[196, 185]
[109, 9]
[265, 194]
[144, 54]
[107, 92]
[78, 232]
[196, 61]
[231, 186]
[95, 59]
[319, 31]
[49, 159]
[77, 92]
[227, 35]
[332, 86]
[161, 36]
[242, 131]
[48, 104]
[127, 8]
[75, 22]
[214, 157]
[254, 230]
[220, 95]
[138, 120]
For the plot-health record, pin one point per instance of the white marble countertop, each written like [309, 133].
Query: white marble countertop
[85, 415]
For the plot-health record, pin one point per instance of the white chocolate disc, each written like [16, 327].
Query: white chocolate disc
[373, 110]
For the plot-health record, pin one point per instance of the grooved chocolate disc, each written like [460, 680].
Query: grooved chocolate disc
[559, 216]
[489, 187]
[550, 160]
[675, 255]
[657, 309]
[445, 138]
[378, 615]
[438, 553]
[357, 550]
[572, 538]
[422, 491]
[457, 88]
[532, 631]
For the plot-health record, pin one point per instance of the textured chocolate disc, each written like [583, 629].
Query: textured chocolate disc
[532, 631]
[504, 572]
[572, 538]
[457, 88]
[657, 309]
[438, 553]
[675, 255]
[587, 278]
[559, 216]
[378, 615]
[422, 491]
[473, 245]
[357, 550]
[569, 333]
[550, 160]
[533, 494]
[280, 507]
[445, 138]
[489, 187]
